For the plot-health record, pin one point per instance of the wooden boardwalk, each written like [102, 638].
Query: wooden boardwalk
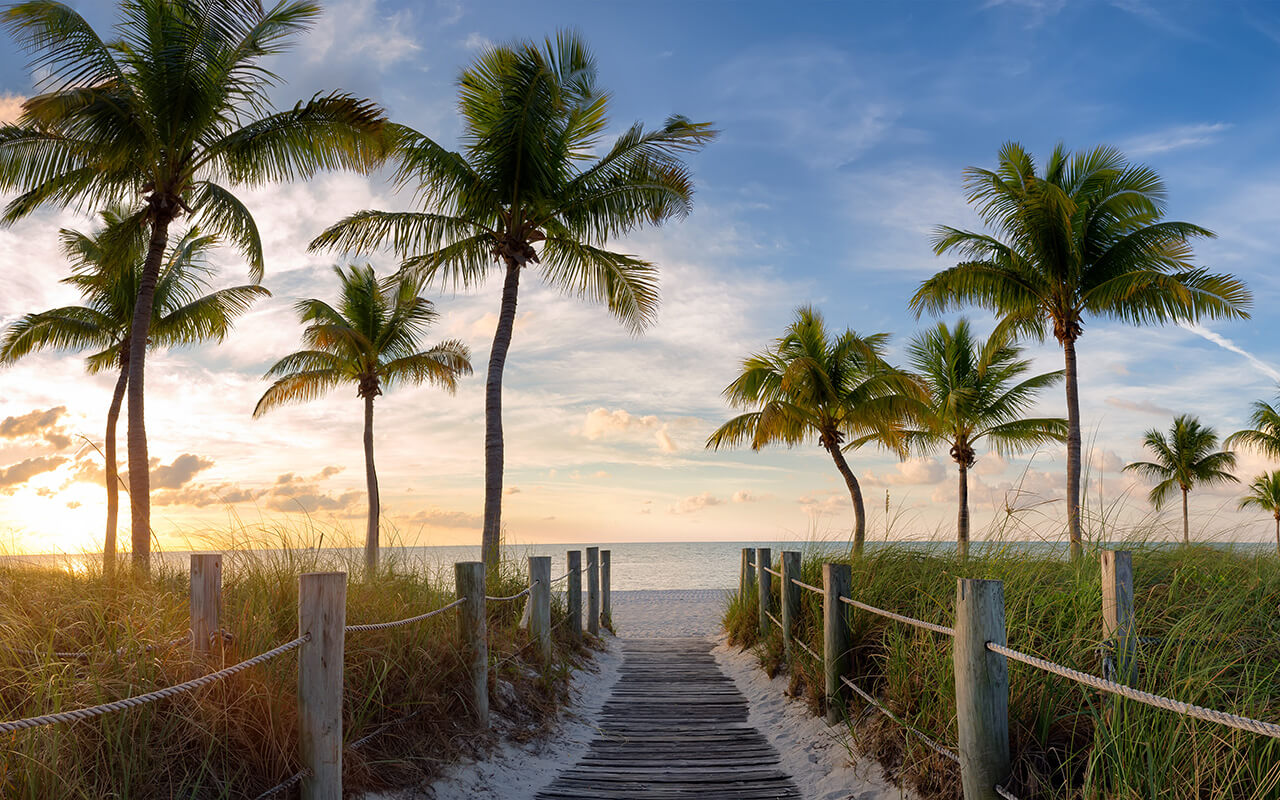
[674, 728]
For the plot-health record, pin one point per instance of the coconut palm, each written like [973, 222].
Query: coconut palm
[175, 108]
[527, 191]
[1186, 458]
[107, 269]
[1084, 237]
[1264, 494]
[371, 339]
[811, 386]
[977, 391]
[1263, 435]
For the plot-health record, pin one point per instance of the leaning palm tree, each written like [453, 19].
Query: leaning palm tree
[809, 385]
[107, 270]
[1263, 435]
[1264, 494]
[1187, 457]
[173, 109]
[528, 191]
[977, 391]
[1085, 237]
[371, 339]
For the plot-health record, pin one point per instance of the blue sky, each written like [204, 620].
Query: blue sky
[846, 127]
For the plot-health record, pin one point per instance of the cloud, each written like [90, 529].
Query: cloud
[1226, 344]
[358, 31]
[603, 424]
[179, 473]
[665, 444]
[1178, 137]
[17, 474]
[914, 472]
[511, 490]
[1141, 406]
[293, 494]
[476, 41]
[10, 107]
[821, 503]
[203, 495]
[697, 502]
[439, 518]
[744, 496]
[43, 424]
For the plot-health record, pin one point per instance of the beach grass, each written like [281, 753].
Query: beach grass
[239, 737]
[1214, 609]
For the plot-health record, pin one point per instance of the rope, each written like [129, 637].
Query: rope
[80, 714]
[804, 585]
[119, 651]
[919, 623]
[287, 783]
[1177, 706]
[515, 596]
[932, 745]
[1005, 793]
[378, 626]
[381, 729]
[562, 577]
[806, 648]
[772, 572]
[772, 617]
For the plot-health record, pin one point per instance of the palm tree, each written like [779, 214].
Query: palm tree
[173, 109]
[1264, 433]
[1187, 457]
[839, 391]
[976, 391]
[1264, 494]
[1086, 237]
[371, 339]
[107, 269]
[527, 191]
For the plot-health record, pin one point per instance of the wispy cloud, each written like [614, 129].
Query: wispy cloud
[1179, 137]
[1227, 344]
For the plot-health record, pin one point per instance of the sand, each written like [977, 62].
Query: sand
[818, 756]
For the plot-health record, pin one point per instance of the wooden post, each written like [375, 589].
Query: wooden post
[469, 576]
[982, 688]
[1117, 610]
[540, 605]
[573, 595]
[606, 604]
[593, 591]
[764, 558]
[790, 595]
[837, 579]
[747, 577]
[206, 599]
[322, 614]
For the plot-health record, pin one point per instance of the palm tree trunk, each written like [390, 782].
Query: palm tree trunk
[1073, 449]
[1186, 528]
[855, 493]
[1277, 534]
[139, 466]
[962, 520]
[375, 504]
[113, 477]
[493, 453]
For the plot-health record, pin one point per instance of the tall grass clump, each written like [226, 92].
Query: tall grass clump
[239, 736]
[1211, 613]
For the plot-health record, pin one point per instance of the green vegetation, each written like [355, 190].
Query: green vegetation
[1220, 647]
[528, 190]
[371, 339]
[239, 737]
[1264, 494]
[1187, 457]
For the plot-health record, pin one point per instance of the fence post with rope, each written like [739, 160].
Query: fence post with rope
[790, 597]
[982, 688]
[606, 603]
[1117, 611]
[206, 599]
[540, 605]
[837, 580]
[573, 594]
[747, 577]
[322, 619]
[469, 576]
[764, 594]
[593, 591]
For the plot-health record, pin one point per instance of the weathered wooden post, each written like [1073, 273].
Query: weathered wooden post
[540, 605]
[1117, 610]
[982, 688]
[790, 596]
[606, 604]
[764, 558]
[747, 577]
[837, 580]
[593, 591]
[469, 576]
[322, 615]
[206, 599]
[573, 594]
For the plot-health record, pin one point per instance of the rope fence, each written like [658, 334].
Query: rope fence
[911, 729]
[812, 653]
[772, 572]
[382, 626]
[515, 596]
[918, 623]
[804, 585]
[288, 783]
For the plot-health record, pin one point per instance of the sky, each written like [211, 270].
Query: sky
[845, 129]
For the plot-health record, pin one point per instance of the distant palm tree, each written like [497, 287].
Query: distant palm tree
[976, 392]
[1086, 237]
[839, 391]
[171, 109]
[533, 187]
[1264, 433]
[371, 339]
[1187, 457]
[1264, 494]
[108, 266]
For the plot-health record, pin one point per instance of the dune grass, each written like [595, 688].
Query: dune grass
[1215, 607]
[239, 737]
